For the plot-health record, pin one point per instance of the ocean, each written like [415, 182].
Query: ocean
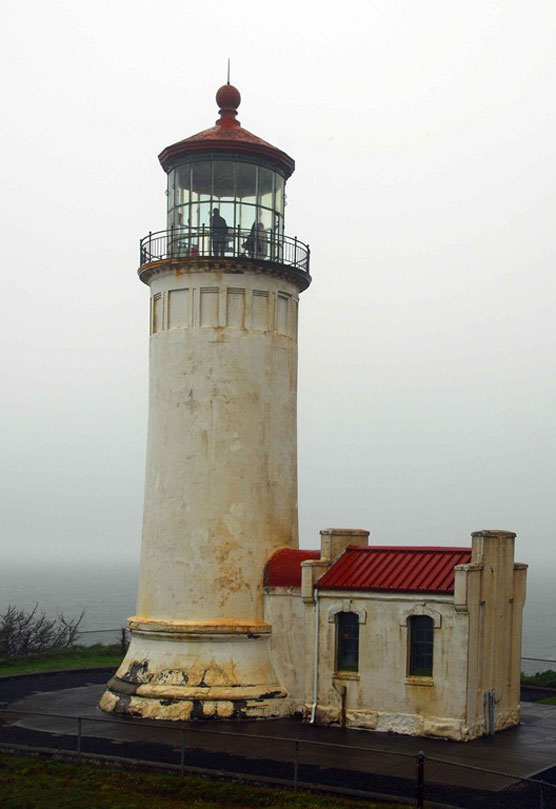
[107, 595]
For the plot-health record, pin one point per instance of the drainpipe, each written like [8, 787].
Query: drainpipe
[491, 713]
[489, 707]
[315, 658]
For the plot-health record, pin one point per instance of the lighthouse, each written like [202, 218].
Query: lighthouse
[221, 469]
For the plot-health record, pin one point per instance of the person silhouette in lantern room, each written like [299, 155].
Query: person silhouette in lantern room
[219, 234]
[255, 244]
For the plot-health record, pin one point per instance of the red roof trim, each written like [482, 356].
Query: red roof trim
[383, 568]
[227, 141]
[283, 569]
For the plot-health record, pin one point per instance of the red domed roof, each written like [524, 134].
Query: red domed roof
[227, 137]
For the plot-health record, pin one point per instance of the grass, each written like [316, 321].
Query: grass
[36, 783]
[79, 657]
[547, 679]
[544, 679]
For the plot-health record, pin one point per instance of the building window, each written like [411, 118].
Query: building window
[421, 629]
[347, 641]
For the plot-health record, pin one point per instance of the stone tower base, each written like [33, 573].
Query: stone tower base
[196, 671]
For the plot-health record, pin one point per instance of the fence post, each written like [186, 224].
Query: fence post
[79, 740]
[296, 764]
[182, 750]
[123, 641]
[420, 792]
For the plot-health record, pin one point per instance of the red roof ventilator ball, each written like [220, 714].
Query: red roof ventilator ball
[228, 99]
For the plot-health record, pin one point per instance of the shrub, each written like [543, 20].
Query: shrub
[541, 678]
[27, 633]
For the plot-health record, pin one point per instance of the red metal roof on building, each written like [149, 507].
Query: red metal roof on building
[395, 569]
[283, 569]
[227, 137]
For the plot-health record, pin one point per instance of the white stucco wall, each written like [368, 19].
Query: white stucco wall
[285, 612]
[381, 695]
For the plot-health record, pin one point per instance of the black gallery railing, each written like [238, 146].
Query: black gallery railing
[204, 242]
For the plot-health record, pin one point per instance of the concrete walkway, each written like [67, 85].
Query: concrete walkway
[521, 752]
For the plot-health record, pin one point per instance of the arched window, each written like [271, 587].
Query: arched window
[347, 641]
[421, 629]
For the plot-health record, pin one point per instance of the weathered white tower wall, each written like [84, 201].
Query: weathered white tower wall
[220, 493]
[221, 485]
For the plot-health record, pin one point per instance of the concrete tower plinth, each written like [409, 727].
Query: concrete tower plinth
[197, 671]
[221, 473]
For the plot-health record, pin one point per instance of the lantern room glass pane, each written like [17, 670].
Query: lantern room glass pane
[181, 217]
[266, 188]
[247, 216]
[265, 216]
[246, 188]
[205, 213]
[223, 180]
[193, 215]
[279, 198]
[182, 182]
[170, 195]
[201, 181]
[227, 211]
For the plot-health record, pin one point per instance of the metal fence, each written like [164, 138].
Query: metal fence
[201, 242]
[297, 762]
[528, 664]
[120, 636]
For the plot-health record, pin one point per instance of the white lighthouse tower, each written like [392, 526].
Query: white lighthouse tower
[221, 476]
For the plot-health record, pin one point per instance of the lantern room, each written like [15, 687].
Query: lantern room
[226, 197]
[244, 192]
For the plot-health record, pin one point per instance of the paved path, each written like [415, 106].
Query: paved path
[523, 751]
[520, 752]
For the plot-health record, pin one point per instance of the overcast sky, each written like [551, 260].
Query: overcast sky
[424, 136]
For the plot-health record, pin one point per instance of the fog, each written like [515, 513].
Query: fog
[424, 136]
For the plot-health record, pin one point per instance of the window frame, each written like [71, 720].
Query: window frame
[353, 637]
[420, 648]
